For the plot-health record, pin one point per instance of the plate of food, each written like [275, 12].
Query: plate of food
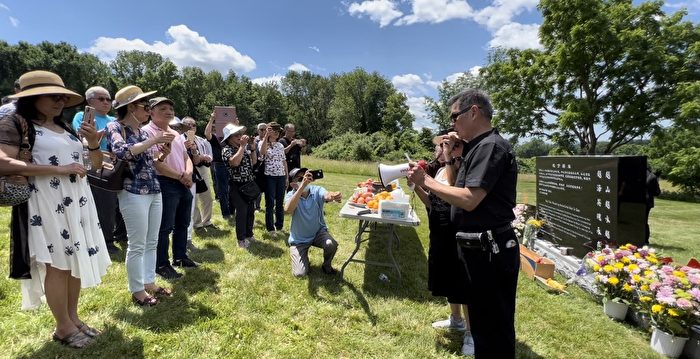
[358, 205]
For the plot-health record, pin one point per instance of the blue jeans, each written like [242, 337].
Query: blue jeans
[142, 215]
[177, 213]
[274, 202]
[221, 186]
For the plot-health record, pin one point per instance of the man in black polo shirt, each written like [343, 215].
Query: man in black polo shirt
[482, 202]
[292, 146]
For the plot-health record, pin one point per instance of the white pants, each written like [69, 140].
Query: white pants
[142, 214]
[202, 217]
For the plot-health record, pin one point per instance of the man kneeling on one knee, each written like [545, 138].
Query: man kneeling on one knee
[305, 203]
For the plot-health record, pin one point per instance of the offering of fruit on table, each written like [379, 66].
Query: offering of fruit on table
[381, 196]
[362, 196]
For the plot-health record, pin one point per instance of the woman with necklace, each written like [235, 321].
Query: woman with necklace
[66, 248]
[140, 201]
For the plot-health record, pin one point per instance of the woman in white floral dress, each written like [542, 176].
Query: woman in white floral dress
[66, 247]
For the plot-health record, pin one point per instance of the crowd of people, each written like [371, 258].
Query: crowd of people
[63, 235]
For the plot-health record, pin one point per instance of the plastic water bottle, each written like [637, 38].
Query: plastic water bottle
[383, 278]
[87, 162]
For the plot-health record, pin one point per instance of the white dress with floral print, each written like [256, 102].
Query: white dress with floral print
[64, 230]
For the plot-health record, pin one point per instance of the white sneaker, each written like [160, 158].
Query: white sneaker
[450, 323]
[251, 239]
[244, 243]
[468, 344]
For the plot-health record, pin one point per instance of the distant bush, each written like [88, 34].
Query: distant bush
[379, 146]
[526, 165]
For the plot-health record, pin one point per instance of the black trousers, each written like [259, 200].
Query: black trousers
[493, 282]
[106, 203]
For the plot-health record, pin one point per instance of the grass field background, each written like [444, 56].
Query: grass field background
[246, 304]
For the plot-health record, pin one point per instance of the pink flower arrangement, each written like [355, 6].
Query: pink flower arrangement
[671, 295]
[620, 272]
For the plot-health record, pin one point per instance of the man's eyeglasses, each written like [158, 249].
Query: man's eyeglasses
[146, 107]
[453, 116]
[102, 98]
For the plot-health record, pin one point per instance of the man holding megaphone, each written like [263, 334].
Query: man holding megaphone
[482, 201]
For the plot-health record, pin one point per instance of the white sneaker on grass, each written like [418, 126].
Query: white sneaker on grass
[451, 323]
[468, 344]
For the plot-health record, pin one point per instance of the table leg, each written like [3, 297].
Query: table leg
[393, 237]
[362, 225]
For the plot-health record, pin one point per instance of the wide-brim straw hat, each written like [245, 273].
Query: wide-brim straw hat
[231, 129]
[128, 95]
[35, 83]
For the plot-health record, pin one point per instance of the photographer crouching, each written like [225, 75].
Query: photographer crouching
[308, 228]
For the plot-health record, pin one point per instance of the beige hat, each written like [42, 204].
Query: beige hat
[128, 95]
[40, 82]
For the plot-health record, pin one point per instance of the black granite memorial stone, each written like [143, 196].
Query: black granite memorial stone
[589, 199]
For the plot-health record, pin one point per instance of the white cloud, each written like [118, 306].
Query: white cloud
[408, 83]
[4, 7]
[275, 78]
[515, 35]
[452, 78]
[416, 106]
[437, 11]
[187, 48]
[315, 48]
[14, 21]
[475, 70]
[381, 11]
[297, 67]
[502, 12]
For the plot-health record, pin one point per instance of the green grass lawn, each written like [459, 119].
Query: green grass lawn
[246, 304]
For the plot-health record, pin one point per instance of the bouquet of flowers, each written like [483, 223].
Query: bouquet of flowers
[672, 297]
[619, 272]
[525, 224]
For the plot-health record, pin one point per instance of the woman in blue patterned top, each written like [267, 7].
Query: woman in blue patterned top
[239, 156]
[140, 201]
[272, 152]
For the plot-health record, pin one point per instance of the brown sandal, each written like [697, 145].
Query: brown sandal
[77, 340]
[146, 302]
[89, 331]
[161, 292]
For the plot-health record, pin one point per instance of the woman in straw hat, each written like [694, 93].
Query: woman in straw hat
[240, 159]
[140, 202]
[66, 245]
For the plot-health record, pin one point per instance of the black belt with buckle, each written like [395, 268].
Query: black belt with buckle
[481, 240]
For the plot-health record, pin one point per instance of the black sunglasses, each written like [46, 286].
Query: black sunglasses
[453, 116]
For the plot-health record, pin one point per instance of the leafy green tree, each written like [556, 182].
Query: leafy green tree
[270, 103]
[360, 98]
[676, 153]
[438, 110]
[606, 64]
[309, 99]
[395, 116]
[533, 148]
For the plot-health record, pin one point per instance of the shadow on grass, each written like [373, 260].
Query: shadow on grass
[111, 344]
[265, 250]
[119, 256]
[451, 342]
[209, 253]
[317, 279]
[197, 280]
[169, 315]
[210, 232]
[410, 257]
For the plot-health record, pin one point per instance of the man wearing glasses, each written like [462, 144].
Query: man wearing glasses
[107, 208]
[482, 201]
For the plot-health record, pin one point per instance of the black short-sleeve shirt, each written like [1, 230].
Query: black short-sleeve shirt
[489, 163]
[294, 154]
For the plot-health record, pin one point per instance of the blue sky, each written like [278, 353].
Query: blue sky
[414, 43]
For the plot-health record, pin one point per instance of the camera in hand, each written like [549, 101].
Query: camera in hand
[316, 174]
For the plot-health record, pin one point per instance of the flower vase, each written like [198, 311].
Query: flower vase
[615, 310]
[529, 236]
[667, 344]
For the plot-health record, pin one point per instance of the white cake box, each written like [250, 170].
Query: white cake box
[394, 210]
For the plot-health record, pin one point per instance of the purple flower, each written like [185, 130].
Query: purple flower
[684, 303]
[695, 292]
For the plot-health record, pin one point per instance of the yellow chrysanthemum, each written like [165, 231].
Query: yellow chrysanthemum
[685, 282]
[599, 259]
[627, 288]
[637, 255]
[613, 280]
[608, 268]
[648, 273]
[679, 274]
[645, 299]
[636, 277]
[619, 265]
[625, 260]
[596, 267]
[652, 260]
[644, 288]
[672, 312]
[657, 308]
[632, 267]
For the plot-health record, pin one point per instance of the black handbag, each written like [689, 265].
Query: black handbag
[259, 173]
[14, 189]
[201, 185]
[110, 177]
[249, 191]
